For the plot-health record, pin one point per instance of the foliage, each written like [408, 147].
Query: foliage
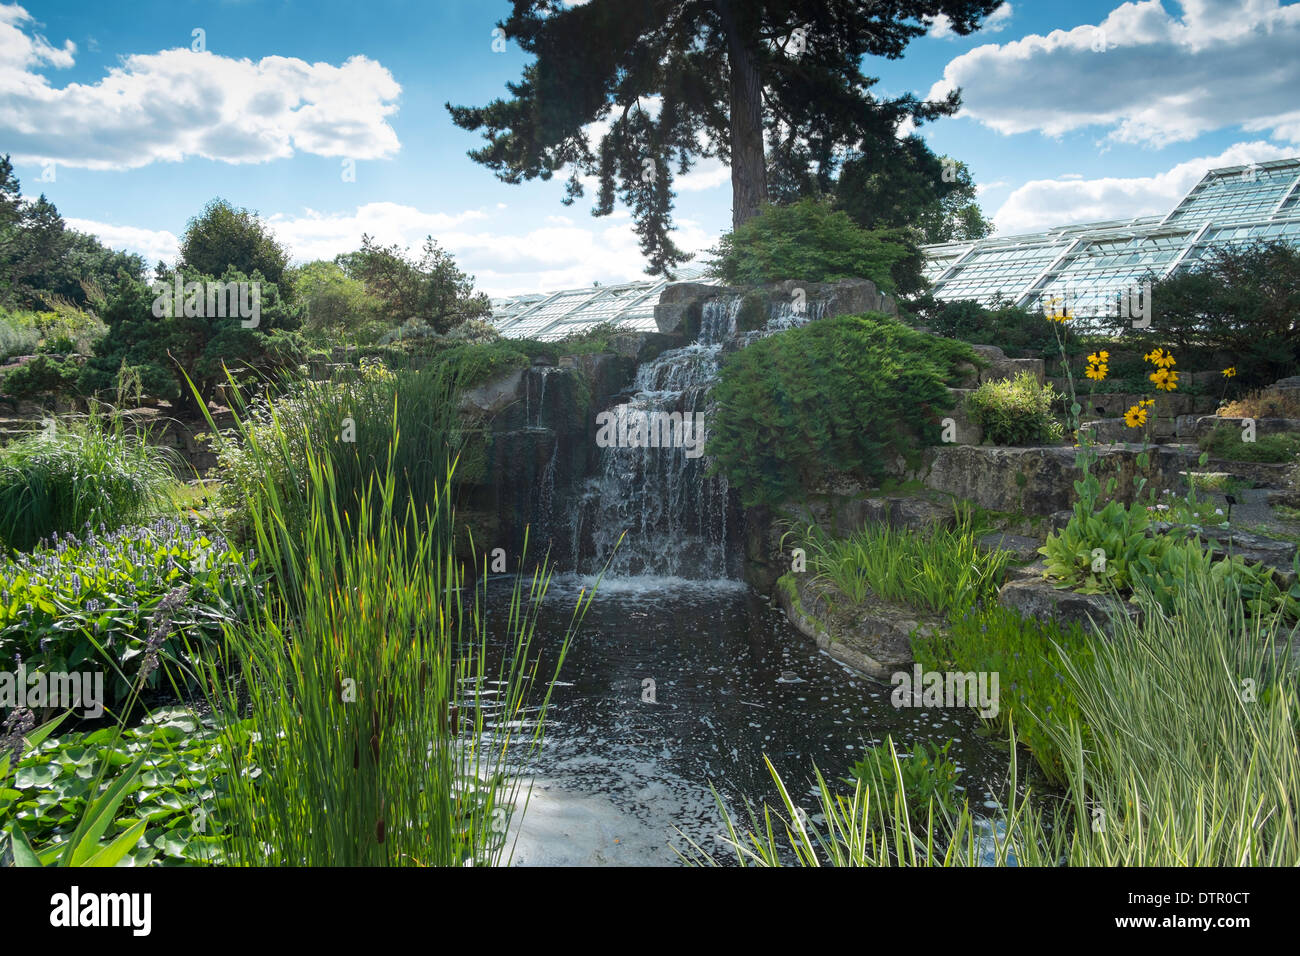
[1017, 331]
[41, 376]
[807, 241]
[162, 774]
[155, 593]
[938, 571]
[169, 351]
[431, 289]
[59, 328]
[842, 394]
[1116, 551]
[371, 719]
[1171, 761]
[73, 474]
[926, 775]
[1241, 300]
[223, 239]
[40, 257]
[1263, 403]
[1225, 441]
[354, 426]
[1015, 412]
[723, 74]
[335, 306]
[1028, 655]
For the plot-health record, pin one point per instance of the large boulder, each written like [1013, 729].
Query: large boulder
[1033, 597]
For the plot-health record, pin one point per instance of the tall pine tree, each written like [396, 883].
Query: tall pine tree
[668, 82]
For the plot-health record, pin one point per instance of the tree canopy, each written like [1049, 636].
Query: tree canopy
[223, 237]
[430, 290]
[634, 94]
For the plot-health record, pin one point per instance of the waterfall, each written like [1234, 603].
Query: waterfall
[672, 516]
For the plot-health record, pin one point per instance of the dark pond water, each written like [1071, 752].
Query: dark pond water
[618, 776]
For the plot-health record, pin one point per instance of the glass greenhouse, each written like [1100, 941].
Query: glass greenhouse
[1089, 267]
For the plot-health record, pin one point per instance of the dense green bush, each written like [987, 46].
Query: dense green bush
[808, 241]
[840, 395]
[927, 775]
[70, 475]
[171, 351]
[1015, 412]
[41, 376]
[92, 602]
[1224, 441]
[1019, 332]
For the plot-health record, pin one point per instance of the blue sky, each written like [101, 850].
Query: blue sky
[1073, 111]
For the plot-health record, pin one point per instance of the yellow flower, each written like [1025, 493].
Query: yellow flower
[1230, 371]
[1096, 372]
[1147, 401]
[1164, 379]
[1105, 356]
[1135, 416]
[1154, 356]
[1057, 311]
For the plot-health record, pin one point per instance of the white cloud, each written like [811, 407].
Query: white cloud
[1149, 77]
[1044, 203]
[175, 104]
[557, 255]
[153, 244]
[996, 22]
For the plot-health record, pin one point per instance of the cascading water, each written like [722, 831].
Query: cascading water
[671, 515]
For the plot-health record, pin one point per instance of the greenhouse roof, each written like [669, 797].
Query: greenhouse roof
[1088, 266]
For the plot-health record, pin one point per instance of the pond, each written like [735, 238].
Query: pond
[624, 772]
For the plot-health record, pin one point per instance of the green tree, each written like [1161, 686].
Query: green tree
[164, 348]
[724, 74]
[333, 303]
[1243, 301]
[431, 290]
[806, 240]
[223, 237]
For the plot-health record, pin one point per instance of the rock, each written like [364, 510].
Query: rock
[1057, 520]
[967, 432]
[876, 640]
[1005, 369]
[1022, 547]
[989, 353]
[842, 516]
[494, 396]
[641, 346]
[1040, 480]
[1198, 426]
[678, 309]
[1037, 598]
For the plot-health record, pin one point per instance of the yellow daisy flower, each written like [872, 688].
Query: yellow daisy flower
[1230, 371]
[1135, 416]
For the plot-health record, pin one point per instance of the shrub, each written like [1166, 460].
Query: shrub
[1015, 330]
[1243, 301]
[70, 475]
[91, 602]
[1015, 412]
[846, 395]
[41, 376]
[170, 351]
[808, 241]
[1225, 441]
[1263, 403]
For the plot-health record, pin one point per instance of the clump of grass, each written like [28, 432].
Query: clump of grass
[1182, 752]
[1225, 441]
[71, 474]
[937, 571]
[1263, 403]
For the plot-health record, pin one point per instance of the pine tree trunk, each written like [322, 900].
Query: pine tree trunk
[748, 164]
